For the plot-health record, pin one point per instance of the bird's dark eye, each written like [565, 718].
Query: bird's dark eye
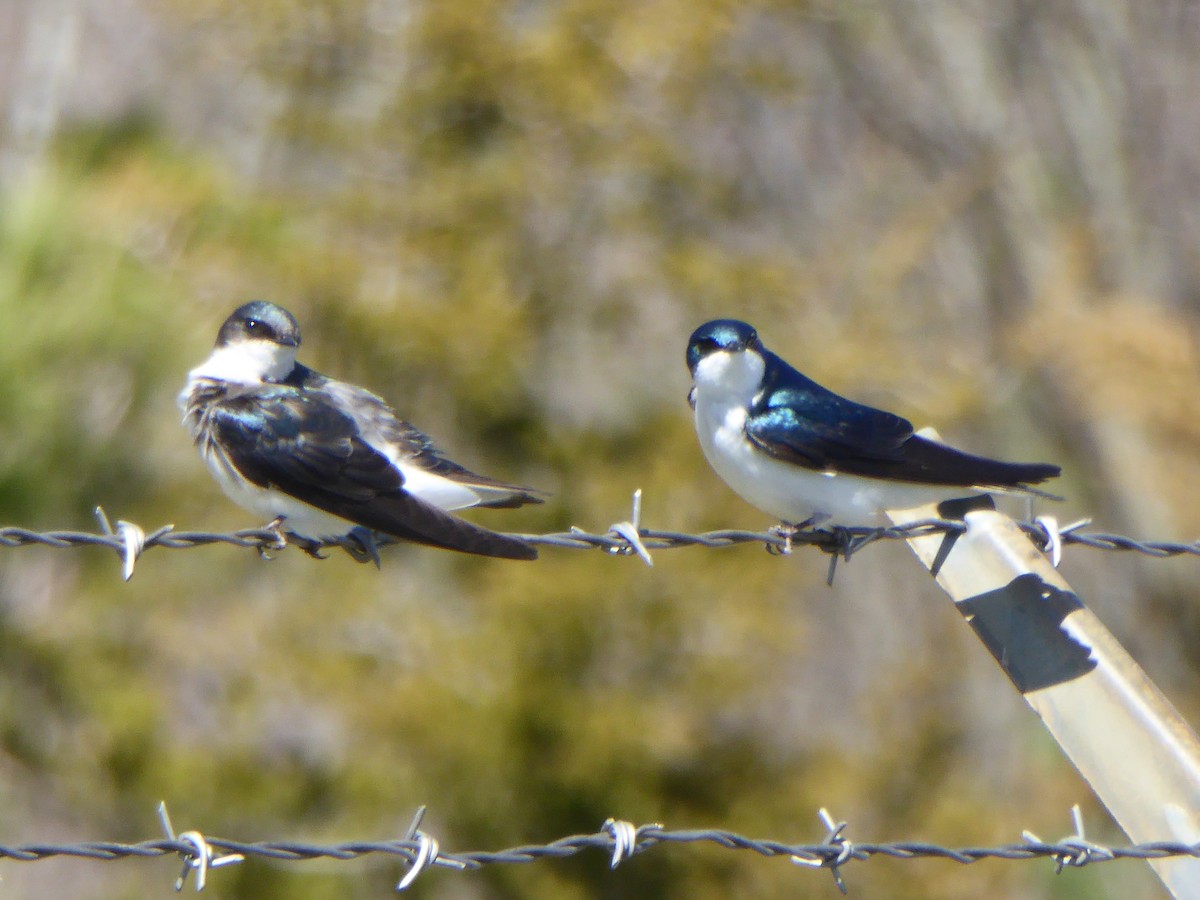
[708, 345]
[259, 328]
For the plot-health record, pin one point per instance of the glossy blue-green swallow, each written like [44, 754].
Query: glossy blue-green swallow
[325, 457]
[801, 452]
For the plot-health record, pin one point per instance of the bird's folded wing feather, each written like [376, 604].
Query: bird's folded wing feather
[381, 426]
[815, 428]
[820, 430]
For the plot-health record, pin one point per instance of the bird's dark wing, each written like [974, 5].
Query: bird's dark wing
[932, 462]
[297, 442]
[803, 423]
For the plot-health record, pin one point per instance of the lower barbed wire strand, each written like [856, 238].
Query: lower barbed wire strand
[647, 838]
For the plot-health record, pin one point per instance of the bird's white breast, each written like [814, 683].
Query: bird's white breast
[267, 503]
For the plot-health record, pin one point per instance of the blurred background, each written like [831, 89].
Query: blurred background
[507, 218]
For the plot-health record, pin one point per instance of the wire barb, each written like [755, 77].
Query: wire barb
[1053, 545]
[426, 853]
[630, 532]
[132, 540]
[624, 838]
[1050, 536]
[1075, 849]
[841, 847]
[197, 856]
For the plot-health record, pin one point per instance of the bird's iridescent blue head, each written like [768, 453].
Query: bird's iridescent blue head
[260, 321]
[728, 335]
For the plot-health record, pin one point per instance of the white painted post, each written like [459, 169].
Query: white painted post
[1126, 739]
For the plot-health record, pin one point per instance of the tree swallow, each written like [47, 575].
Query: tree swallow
[325, 458]
[800, 452]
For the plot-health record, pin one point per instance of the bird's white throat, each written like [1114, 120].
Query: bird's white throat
[730, 377]
[248, 362]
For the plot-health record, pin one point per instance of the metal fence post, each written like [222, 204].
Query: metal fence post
[1126, 739]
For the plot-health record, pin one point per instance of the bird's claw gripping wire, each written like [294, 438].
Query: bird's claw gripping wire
[361, 544]
[280, 540]
[786, 533]
[836, 540]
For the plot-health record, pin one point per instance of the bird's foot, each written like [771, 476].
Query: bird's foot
[841, 543]
[362, 546]
[275, 529]
[310, 546]
[787, 532]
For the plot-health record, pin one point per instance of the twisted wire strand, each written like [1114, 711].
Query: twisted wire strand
[647, 838]
[838, 541]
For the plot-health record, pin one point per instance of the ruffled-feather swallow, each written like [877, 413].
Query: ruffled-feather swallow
[325, 457]
[799, 451]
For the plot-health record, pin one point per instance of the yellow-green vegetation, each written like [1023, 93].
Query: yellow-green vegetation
[506, 218]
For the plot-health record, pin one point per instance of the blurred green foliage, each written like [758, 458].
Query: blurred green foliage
[506, 218]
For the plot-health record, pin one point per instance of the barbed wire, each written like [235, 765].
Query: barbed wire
[619, 839]
[626, 538]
